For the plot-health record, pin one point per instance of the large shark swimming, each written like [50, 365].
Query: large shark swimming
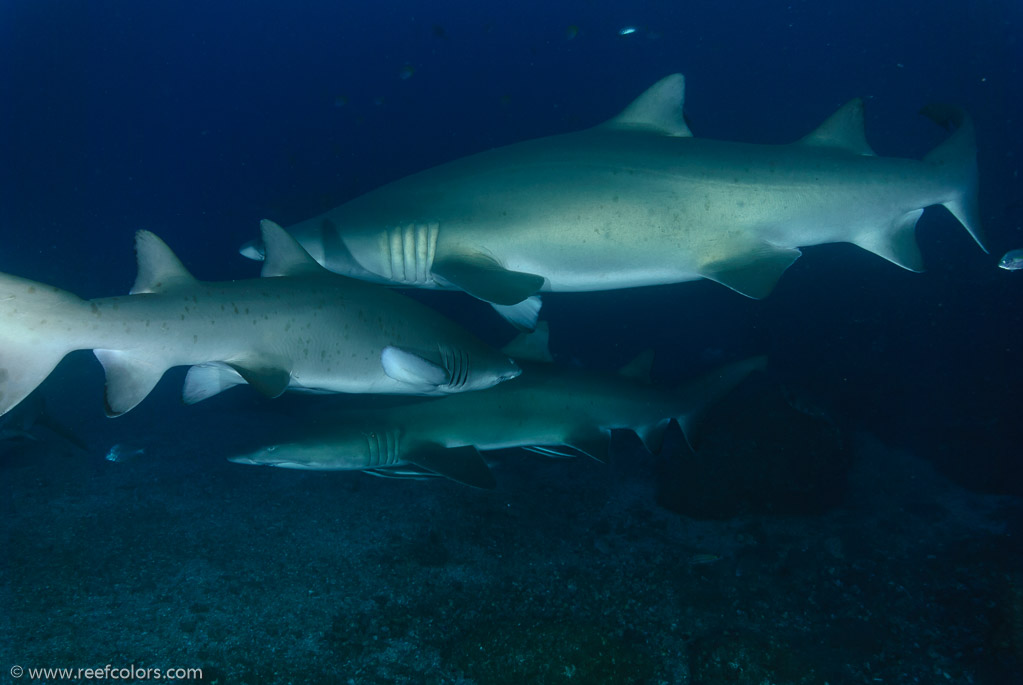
[550, 409]
[639, 201]
[298, 327]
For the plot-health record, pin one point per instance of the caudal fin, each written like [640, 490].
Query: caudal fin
[32, 335]
[957, 157]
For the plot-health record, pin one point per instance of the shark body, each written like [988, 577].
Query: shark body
[555, 410]
[299, 327]
[640, 201]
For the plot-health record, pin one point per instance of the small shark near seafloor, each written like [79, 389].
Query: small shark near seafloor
[299, 327]
[550, 409]
[639, 201]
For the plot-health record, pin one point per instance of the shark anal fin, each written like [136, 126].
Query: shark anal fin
[896, 243]
[129, 379]
[483, 277]
[206, 380]
[158, 267]
[653, 436]
[268, 377]
[755, 273]
[408, 367]
[461, 464]
[523, 315]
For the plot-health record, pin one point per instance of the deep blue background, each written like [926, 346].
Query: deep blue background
[196, 120]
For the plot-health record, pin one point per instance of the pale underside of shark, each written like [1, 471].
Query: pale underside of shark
[554, 410]
[299, 327]
[639, 201]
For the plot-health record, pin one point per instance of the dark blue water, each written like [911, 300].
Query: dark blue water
[196, 120]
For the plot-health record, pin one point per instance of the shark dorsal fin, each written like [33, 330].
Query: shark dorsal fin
[658, 109]
[159, 267]
[639, 368]
[843, 130]
[533, 346]
[284, 256]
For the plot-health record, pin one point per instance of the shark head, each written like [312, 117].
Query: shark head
[449, 370]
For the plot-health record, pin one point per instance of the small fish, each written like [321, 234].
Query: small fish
[1011, 260]
[626, 30]
[124, 452]
[703, 558]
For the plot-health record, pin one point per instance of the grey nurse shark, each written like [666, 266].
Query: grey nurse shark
[639, 201]
[551, 409]
[299, 327]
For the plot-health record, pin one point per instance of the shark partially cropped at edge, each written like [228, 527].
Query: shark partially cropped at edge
[299, 327]
[550, 409]
[639, 201]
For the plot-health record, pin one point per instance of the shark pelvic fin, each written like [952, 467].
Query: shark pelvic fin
[522, 315]
[481, 276]
[897, 242]
[531, 346]
[658, 109]
[159, 268]
[755, 273]
[461, 464]
[408, 367]
[283, 255]
[844, 129]
[268, 376]
[130, 377]
[639, 368]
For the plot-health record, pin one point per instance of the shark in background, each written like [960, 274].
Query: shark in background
[550, 409]
[298, 327]
[639, 201]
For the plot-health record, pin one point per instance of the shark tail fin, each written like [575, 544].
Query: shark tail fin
[957, 157]
[697, 395]
[32, 318]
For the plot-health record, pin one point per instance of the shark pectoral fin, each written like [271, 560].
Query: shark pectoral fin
[461, 464]
[754, 273]
[896, 243]
[523, 315]
[206, 380]
[595, 446]
[130, 378]
[269, 377]
[482, 277]
[408, 367]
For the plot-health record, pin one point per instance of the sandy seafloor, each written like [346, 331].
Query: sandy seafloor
[568, 572]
